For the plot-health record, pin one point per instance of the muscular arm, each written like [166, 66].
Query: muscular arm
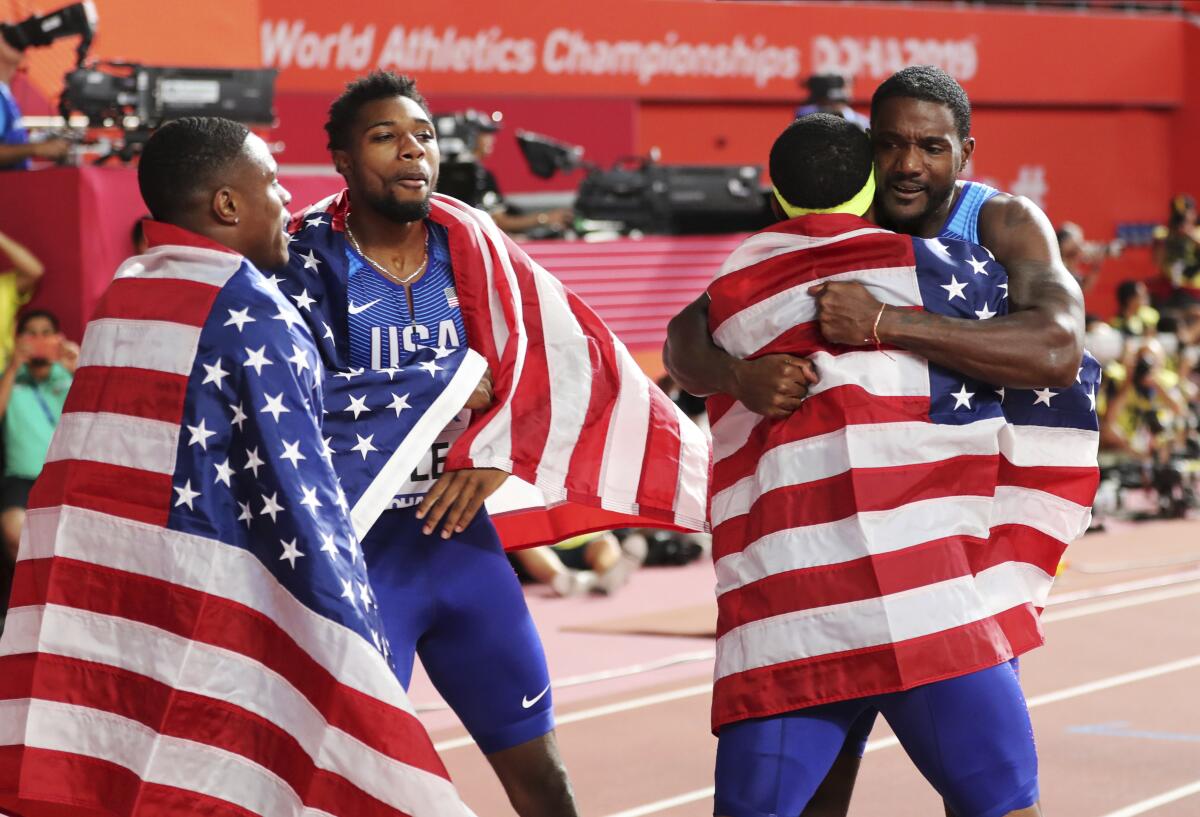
[1040, 341]
[697, 364]
[772, 385]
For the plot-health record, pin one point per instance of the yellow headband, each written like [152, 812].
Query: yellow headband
[855, 207]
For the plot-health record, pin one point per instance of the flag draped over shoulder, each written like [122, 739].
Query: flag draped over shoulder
[191, 629]
[903, 525]
[591, 442]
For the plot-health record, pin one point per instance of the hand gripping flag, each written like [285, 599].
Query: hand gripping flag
[591, 442]
[905, 523]
[191, 628]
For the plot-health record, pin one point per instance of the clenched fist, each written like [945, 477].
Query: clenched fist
[773, 385]
[846, 312]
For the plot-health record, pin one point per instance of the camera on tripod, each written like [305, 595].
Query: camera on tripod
[139, 98]
[39, 31]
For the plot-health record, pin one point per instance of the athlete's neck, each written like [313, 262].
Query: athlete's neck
[933, 222]
[375, 230]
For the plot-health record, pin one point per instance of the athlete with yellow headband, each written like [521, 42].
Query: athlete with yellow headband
[790, 698]
[857, 206]
[921, 138]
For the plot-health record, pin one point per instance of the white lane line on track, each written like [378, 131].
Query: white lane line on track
[669, 803]
[1040, 700]
[1106, 590]
[1187, 588]
[1154, 802]
[600, 711]
[678, 659]
[1083, 689]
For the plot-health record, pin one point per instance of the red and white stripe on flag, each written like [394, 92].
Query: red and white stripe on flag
[146, 672]
[591, 441]
[861, 548]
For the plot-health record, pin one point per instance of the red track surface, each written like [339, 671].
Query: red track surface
[1113, 696]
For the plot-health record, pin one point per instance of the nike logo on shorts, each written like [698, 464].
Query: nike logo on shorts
[526, 703]
[354, 310]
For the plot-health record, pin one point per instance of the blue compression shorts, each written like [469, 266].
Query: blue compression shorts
[969, 736]
[458, 605]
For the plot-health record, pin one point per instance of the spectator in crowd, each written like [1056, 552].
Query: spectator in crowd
[15, 148]
[1084, 259]
[32, 392]
[594, 562]
[827, 94]
[599, 562]
[1148, 405]
[1177, 248]
[17, 286]
[1135, 316]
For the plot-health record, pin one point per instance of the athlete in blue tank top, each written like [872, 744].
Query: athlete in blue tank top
[921, 121]
[963, 221]
[445, 589]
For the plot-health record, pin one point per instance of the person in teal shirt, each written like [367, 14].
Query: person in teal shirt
[32, 392]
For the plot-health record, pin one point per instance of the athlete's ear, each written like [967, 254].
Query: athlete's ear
[341, 162]
[226, 205]
[968, 149]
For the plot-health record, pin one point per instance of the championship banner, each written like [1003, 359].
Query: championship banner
[674, 49]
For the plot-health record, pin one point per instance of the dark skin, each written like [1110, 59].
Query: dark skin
[390, 164]
[918, 155]
[245, 209]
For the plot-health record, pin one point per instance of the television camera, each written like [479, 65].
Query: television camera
[639, 193]
[38, 31]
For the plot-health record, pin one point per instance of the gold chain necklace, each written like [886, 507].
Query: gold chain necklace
[384, 270]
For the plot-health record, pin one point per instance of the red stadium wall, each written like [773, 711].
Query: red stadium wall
[1091, 113]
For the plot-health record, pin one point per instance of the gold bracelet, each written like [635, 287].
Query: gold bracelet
[875, 328]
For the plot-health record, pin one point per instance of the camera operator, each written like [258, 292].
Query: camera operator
[15, 148]
[468, 139]
[508, 218]
[827, 93]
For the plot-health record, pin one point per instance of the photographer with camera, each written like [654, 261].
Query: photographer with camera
[15, 148]
[32, 392]
[469, 138]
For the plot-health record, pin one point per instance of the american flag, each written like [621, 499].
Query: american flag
[590, 441]
[191, 628]
[904, 525]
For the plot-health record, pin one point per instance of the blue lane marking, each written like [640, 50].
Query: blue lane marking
[1119, 729]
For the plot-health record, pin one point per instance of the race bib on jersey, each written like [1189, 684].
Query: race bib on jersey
[432, 465]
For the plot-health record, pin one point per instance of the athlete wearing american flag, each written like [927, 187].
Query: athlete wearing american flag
[192, 629]
[888, 546]
[387, 270]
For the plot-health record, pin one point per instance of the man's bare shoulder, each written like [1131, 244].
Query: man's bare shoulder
[1015, 229]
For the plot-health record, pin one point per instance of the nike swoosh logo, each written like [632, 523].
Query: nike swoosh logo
[354, 310]
[526, 703]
